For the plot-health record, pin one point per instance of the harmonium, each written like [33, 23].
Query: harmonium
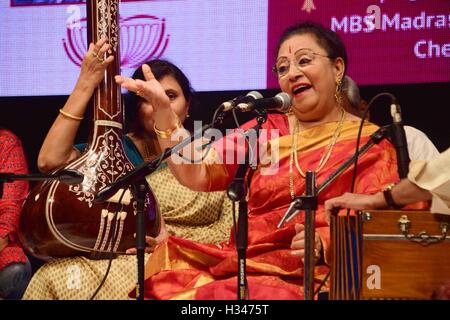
[390, 255]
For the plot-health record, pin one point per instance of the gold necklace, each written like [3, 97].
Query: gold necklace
[147, 152]
[323, 160]
[143, 146]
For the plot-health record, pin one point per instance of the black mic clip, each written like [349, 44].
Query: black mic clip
[380, 134]
[236, 191]
[232, 104]
[69, 176]
[298, 203]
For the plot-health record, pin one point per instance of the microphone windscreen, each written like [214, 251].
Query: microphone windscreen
[286, 101]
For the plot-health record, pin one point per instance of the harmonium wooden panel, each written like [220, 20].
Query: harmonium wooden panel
[404, 254]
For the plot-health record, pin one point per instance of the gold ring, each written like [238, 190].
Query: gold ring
[100, 59]
[95, 54]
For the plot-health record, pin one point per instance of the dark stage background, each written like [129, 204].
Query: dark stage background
[424, 106]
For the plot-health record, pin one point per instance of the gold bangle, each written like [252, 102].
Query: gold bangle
[70, 116]
[167, 133]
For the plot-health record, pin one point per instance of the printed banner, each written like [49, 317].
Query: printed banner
[223, 45]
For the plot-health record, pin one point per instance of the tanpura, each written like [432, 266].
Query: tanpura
[59, 220]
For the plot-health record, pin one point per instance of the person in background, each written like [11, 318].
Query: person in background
[15, 269]
[200, 216]
[420, 146]
[426, 180]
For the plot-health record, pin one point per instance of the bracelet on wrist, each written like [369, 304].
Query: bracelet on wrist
[387, 193]
[167, 133]
[69, 116]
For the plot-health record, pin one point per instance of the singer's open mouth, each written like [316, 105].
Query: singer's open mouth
[301, 89]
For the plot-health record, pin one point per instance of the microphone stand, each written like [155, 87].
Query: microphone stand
[237, 192]
[67, 176]
[139, 190]
[308, 202]
[136, 179]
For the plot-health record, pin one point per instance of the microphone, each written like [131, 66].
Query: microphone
[281, 102]
[231, 104]
[398, 138]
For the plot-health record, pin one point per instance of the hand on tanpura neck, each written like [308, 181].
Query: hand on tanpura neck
[94, 64]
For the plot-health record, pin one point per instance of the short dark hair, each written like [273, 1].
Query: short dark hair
[160, 68]
[327, 39]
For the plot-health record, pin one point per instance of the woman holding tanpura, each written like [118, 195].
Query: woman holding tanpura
[200, 216]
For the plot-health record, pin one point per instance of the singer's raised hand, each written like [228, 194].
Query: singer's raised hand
[298, 242]
[150, 90]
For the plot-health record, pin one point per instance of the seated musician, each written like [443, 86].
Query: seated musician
[203, 217]
[420, 146]
[15, 269]
[426, 180]
[317, 134]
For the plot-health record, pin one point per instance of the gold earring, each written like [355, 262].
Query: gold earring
[337, 93]
[188, 115]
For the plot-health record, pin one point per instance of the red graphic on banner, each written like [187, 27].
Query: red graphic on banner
[308, 6]
[142, 38]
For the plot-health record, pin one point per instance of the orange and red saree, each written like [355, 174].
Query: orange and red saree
[182, 269]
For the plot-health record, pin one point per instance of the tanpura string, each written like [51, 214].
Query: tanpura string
[111, 256]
